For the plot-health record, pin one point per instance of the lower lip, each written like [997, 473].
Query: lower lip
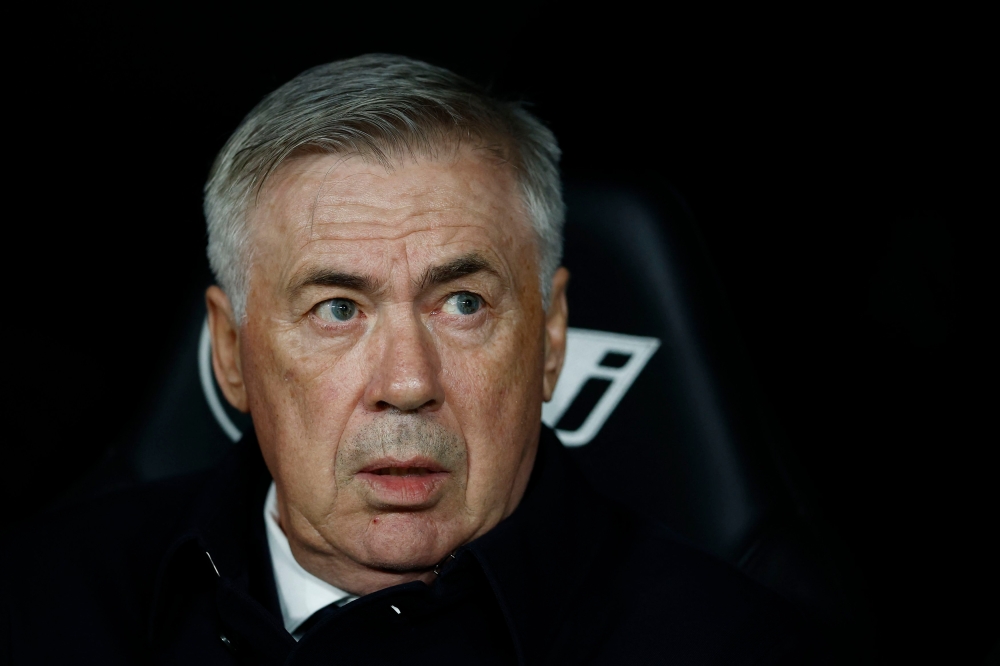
[404, 491]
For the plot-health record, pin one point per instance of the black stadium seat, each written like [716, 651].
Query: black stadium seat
[656, 402]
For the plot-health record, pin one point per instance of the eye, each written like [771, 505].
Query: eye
[462, 303]
[337, 309]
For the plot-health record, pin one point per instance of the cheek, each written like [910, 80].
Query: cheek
[300, 399]
[495, 393]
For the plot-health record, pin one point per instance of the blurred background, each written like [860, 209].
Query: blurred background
[836, 160]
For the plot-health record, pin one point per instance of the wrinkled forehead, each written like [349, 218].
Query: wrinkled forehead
[332, 203]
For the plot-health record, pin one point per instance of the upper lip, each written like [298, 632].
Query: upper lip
[385, 464]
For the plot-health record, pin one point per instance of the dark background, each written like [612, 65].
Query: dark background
[836, 161]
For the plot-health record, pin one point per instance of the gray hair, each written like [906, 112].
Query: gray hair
[382, 107]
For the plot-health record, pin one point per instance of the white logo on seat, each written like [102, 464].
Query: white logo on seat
[599, 366]
[610, 362]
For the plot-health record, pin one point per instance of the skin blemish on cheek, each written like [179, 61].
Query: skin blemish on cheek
[374, 521]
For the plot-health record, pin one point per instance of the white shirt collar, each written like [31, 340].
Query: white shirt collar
[300, 594]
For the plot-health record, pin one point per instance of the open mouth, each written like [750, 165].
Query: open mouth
[416, 466]
[403, 471]
[404, 483]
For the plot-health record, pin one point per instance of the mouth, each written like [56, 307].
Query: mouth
[404, 483]
[412, 467]
[402, 471]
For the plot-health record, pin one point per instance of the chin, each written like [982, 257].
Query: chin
[403, 545]
[394, 561]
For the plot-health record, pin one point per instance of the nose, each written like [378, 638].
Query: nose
[407, 372]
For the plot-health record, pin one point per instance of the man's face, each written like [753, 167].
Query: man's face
[395, 355]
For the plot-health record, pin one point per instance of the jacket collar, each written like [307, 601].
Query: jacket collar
[541, 561]
[221, 536]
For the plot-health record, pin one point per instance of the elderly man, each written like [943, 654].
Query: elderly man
[391, 311]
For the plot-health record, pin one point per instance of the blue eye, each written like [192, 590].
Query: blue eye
[462, 303]
[337, 309]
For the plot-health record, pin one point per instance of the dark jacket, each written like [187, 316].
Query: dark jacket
[179, 572]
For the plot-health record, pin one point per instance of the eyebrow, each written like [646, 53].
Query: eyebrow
[461, 267]
[330, 278]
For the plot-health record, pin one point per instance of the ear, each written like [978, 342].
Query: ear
[226, 348]
[556, 321]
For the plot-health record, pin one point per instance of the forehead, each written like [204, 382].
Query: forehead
[315, 204]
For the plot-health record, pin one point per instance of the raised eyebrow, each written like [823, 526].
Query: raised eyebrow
[330, 278]
[455, 269]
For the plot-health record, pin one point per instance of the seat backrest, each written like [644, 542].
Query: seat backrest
[656, 402]
[684, 444]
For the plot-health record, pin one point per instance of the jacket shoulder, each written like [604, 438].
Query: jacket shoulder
[93, 564]
[695, 605]
[113, 527]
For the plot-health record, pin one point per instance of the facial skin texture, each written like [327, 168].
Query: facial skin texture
[405, 371]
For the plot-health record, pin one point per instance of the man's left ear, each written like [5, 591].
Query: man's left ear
[556, 321]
